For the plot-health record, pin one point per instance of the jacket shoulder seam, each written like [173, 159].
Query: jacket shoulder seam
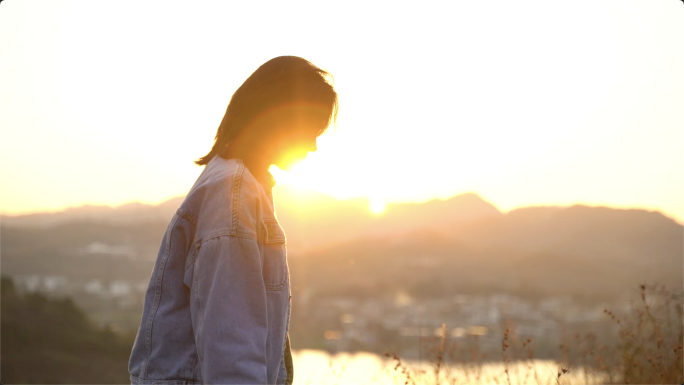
[237, 182]
[225, 233]
[187, 216]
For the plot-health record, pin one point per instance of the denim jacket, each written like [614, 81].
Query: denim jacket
[217, 308]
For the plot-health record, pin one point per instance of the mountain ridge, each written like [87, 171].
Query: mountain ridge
[340, 247]
[313, 220]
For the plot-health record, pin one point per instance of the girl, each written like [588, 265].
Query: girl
[217, 307]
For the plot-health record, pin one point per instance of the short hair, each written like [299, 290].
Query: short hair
[276, 86]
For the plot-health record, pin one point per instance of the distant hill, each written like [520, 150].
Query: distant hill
[310, 219]
[436, 247]
[617, 235]
[594, 252]
[126, 214]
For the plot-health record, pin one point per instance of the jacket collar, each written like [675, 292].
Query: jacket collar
[263, 176]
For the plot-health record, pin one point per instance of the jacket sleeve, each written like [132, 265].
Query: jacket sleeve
[229, 311]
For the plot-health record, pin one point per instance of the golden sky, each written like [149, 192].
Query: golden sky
[523, 102]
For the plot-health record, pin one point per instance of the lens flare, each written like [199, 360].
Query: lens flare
[377, 206]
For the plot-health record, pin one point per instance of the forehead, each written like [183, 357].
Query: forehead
[300, 120]
[306, 113]
[303, 118]
[304, 132]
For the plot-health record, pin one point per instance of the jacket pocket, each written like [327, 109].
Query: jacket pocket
[275, 269]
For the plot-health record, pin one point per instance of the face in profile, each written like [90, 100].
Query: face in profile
[293, 145]
[294, 134]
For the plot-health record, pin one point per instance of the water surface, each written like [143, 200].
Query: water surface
[316, 367]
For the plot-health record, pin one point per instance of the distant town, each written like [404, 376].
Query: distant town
[373, 324]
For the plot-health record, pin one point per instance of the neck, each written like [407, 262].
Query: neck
[255, 158]
[258, 166]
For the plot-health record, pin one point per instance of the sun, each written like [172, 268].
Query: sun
[376, 206]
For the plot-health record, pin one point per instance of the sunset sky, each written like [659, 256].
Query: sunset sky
[522, 102]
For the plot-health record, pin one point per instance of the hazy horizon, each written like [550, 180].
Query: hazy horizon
[282, 192]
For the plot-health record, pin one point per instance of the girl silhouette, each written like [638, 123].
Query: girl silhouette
[217, 307]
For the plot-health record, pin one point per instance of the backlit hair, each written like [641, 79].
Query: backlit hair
[281, 88]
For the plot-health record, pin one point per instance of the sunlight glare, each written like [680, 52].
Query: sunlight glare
[377, 206]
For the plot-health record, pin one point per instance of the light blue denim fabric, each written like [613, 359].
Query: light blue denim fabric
[217, 308]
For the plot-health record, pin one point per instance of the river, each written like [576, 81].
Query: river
[316, 367]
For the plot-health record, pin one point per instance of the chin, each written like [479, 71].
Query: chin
[289, 164]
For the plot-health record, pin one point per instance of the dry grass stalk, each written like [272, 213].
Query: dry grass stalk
[649, 349]
[504, 347]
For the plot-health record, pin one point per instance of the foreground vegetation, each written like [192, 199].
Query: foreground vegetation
[648, 351]
[51, 341]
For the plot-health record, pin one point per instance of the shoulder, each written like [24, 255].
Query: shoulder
[226, 200]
